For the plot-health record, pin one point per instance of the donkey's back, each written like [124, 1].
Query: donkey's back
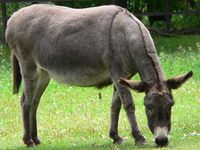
[69, 44]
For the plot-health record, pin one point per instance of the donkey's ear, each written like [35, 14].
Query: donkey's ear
[176, 82]
[135, 85]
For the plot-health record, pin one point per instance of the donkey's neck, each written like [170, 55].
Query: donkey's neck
[148, 63]
[149, 68]
[146, 58]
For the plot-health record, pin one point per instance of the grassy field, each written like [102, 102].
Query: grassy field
[75, 118]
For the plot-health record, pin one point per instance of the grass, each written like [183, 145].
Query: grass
[75, 118]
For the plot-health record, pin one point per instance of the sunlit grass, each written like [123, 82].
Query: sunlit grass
[75, 118]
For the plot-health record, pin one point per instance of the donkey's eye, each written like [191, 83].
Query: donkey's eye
[169, 108]
[149, 108]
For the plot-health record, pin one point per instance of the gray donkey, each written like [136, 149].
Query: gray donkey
[89, 47]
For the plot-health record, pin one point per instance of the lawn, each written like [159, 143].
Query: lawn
[75, 118]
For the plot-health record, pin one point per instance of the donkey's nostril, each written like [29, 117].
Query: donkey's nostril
[162, 141]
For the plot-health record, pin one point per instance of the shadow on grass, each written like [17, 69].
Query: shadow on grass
[106, 146]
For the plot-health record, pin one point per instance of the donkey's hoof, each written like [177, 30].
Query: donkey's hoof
[29, 143]
[36, 140]
[119, 140]
[140, 142]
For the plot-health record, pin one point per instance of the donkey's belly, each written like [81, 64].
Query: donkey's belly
[81, 77]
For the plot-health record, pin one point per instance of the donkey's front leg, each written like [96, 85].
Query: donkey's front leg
[129, 106]
[115, 110]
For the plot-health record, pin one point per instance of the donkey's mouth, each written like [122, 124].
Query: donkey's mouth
[161, 142]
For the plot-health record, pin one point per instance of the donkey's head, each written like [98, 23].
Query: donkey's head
[158, 102]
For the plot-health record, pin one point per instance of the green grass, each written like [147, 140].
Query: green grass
[75, 118]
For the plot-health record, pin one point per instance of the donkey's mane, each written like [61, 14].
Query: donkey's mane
[149, 49]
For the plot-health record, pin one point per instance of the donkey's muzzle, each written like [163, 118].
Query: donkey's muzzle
[162, 141]
[161, 136]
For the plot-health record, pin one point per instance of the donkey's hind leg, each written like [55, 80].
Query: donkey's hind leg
[115, 110]
[30, 77]
[42, 83]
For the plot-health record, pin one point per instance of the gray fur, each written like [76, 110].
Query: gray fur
[81, 47]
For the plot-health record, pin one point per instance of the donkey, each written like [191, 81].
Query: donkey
[89, 47]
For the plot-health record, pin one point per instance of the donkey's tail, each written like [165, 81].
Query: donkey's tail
[17, 78]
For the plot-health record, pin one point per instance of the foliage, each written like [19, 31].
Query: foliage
[75, 118]
[81, 3]
[158, 6]
[136, 6]
[180, 22]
